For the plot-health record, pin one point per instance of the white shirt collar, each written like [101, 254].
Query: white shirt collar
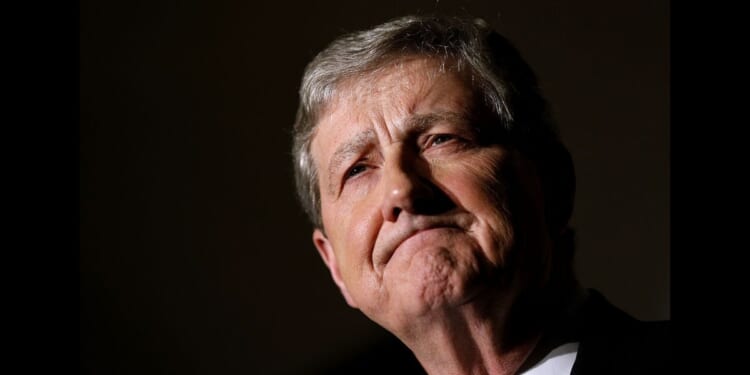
[559, 361]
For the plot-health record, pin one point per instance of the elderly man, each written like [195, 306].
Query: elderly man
[440, 195]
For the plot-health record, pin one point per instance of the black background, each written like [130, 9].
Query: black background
[194, 256]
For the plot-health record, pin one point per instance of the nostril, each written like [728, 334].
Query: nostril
[396, 211]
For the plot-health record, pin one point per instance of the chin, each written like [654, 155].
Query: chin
[434, 279]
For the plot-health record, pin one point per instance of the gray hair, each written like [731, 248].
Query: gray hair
[506, 84]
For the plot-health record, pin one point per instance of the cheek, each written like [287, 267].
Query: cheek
[353, 229]
[477, 182]
[479, 186]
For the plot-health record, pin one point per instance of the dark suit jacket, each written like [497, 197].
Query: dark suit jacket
[610, 342]
[613, 342]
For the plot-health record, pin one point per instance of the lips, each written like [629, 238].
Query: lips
[387, 243]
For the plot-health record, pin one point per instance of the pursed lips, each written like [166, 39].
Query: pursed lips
[383, 252]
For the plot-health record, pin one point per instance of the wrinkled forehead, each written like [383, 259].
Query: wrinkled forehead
[395, 88]
[387, 100]
[406, 74]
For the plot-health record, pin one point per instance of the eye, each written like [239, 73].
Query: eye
[354, 170]
[439, 139]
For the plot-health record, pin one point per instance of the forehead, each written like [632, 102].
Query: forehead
[394, 83]
[385, 98]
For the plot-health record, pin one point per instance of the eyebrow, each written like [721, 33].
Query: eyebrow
[418, 123]
[413, 124]
[345, 151]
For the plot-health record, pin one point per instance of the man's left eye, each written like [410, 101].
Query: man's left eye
[440, 139]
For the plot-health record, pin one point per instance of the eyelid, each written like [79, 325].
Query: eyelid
[430, 139]
[346, 175]
[348, 172]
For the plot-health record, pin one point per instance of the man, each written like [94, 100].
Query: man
[440, 194]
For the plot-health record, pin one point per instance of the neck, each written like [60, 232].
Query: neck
[470, 342]
[484, 338]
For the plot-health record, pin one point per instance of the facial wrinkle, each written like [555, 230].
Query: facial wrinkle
[347, 151]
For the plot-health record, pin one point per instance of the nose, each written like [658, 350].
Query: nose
[409, 187]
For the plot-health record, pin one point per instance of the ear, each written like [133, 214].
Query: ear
[325, 249]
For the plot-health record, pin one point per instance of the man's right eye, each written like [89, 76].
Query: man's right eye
[355, 170]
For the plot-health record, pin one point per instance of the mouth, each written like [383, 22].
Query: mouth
[386, 248]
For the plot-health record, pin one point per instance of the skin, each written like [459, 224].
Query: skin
[433, 225]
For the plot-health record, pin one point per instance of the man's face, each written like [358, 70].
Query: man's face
[424, 209]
